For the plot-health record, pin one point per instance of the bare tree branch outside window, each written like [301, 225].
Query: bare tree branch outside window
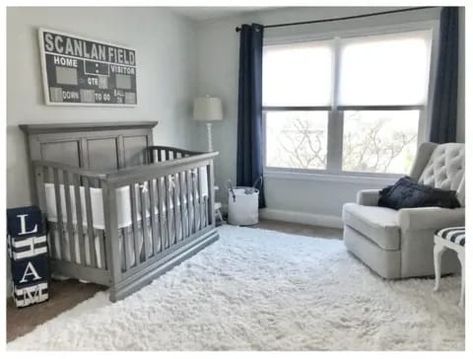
[374, 141]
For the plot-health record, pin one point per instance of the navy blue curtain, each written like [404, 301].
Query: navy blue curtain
[444, 109]
[250, 127]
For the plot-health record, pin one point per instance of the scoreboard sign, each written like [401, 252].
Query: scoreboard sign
[79, 71]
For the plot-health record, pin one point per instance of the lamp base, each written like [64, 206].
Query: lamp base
[209, 136]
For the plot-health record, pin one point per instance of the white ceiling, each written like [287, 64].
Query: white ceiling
[202, 13]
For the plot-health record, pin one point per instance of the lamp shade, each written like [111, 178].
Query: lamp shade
[208, 109]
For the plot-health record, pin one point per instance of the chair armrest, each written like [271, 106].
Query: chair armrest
[430, 218]
[368, 197]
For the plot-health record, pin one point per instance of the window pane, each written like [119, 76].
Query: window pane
[385, 70]
[297, 75]
[379, 141]
[296, 139]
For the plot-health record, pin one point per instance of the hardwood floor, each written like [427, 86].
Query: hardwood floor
[301, 229]
[64, 295]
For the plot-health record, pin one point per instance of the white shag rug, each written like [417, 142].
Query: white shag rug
[263, 290]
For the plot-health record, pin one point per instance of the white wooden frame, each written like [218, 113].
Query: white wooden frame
[41, 30]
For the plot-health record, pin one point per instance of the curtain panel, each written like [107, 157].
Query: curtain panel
[444, 108]
[250, 125]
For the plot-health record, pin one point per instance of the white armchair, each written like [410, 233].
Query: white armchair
[399, 244]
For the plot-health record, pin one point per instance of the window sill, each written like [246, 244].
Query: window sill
[362, 178]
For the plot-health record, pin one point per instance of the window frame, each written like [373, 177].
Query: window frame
[335, 112]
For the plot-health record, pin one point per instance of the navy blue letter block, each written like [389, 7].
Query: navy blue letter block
[28, 250]
[24, 221]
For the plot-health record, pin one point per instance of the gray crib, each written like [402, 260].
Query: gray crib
[120, 211]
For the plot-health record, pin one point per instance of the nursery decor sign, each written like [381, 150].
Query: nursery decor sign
[80, 71]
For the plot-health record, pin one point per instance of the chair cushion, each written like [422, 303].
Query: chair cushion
[453, 234]
[379, 224]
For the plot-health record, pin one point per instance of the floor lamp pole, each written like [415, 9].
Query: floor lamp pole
[209, 136]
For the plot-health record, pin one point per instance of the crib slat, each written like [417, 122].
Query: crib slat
[134, 217]
[126, 248]
[201, 198]
[52, 240]
[69, 224]
[110, 256]
[60, 225]
[153, 207]
[40, 190]
[197, 198]
[167, 191]
[190, 210]
[184, 220]
[144, 220]
[90, 222]
[211, 200]
[162, 214]
[80, 230]
[196, 202]
[177, 208]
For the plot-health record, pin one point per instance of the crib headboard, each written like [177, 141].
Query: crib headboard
[99, 146]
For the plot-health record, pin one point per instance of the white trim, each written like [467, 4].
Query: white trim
[369, 179]
[302, 218]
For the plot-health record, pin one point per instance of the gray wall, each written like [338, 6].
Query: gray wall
[177, 59]
[307, 199]
[165, 48]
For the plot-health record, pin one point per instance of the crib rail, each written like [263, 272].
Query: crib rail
[171, 203]
[165, 153]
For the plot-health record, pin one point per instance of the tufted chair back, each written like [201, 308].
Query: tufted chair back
[444, 168]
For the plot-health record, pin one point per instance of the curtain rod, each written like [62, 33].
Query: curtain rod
[238, 29]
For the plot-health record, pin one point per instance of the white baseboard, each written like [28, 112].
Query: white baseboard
[302, 217]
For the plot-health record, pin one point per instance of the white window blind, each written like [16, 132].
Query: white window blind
[385, 69]
[298, 74]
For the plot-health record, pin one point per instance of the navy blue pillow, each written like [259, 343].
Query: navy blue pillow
[406, 193]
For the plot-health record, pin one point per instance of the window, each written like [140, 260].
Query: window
[379, 141]
[346, 104]
[296, 139]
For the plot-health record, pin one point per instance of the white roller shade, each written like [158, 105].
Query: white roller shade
[298, 74]
[385, 69]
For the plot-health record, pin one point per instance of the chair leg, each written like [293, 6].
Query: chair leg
[219, 215]
[461, 258]
[438, 251]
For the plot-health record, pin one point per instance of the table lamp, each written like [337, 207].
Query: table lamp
[208, 109]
